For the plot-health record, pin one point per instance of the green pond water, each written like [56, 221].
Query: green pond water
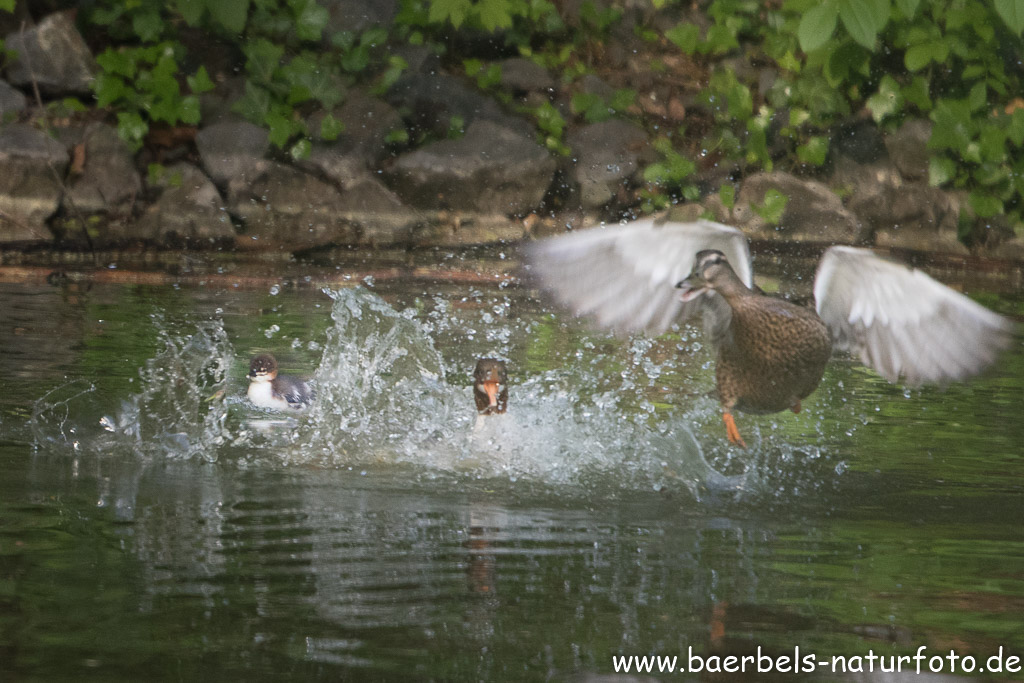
[155, 526]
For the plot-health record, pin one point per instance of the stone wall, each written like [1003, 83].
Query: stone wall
[75, 182]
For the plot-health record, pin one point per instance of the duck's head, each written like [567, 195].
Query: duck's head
[711, 272]
[263, 368]
[490, 386]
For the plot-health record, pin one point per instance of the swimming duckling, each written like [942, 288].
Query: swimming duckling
[268, 389]
[490, 386]
[771, 353]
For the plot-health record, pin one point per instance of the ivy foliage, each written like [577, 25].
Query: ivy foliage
[955, 62]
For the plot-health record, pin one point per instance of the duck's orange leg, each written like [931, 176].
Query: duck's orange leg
[796, 408]
[731, 431]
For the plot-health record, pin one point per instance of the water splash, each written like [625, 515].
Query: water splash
[179, 413]
[388, 399]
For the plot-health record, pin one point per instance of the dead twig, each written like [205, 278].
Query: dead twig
[47, 128]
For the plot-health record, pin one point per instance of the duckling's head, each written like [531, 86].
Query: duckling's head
[490, 386]
[711, 272]
[263, 368]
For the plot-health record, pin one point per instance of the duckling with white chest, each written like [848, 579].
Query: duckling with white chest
[269, 389]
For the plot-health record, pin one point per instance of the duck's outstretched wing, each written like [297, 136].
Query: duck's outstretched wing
[903, 323]
[625, 275]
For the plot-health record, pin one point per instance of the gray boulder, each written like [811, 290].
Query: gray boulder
[908, 148]
[812, 214]
[608, 156]
[363, 144]
[53, 55]
[380, 216]
[109, 181]
[491, 170]
[286, 208]
[12, 102]
[519, 74]
[434, 100]
[457, 230]
[30, 189]
[189, 211]
[233, 151]
[898, 213]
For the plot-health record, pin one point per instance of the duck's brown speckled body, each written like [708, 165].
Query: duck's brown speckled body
[774, 357]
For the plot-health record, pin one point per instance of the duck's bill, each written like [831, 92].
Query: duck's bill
[690, 288]
[491, 389]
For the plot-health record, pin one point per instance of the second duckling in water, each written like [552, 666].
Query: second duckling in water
[490, 386]
[268, 389]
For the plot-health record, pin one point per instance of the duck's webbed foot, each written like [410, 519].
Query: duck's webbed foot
[795, 407]
[731, 431]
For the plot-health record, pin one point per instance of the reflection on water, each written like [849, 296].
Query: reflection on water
[153, 521]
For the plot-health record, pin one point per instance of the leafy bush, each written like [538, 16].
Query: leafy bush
[955, 62]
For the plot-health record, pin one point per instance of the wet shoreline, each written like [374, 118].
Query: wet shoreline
[493, 265]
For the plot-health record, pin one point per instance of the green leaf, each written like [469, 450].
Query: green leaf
[200, 83]
[887, 101]
[817, 26]
[940, 171]
[908, 8]
[1015, 131]
[7, 5]
[622, 100]
[280, 128]
[356, 59]
[727, 193]
[110, 88]
[978, 96]
[191, 10]
[973, 71]
[494, 14]
[685, 36]
[721, 39]
[263, 59]
[331, 128]
[1012, 14]
[74, 105]
[310, 21]
[953, 128]
[373, 37]
[773, 207]
[231, 14]
[814, 151]
[148, 25]
[454, 11]
[917, 93]
[301, 149]
[995, 177]
[132, 128]
[116, 62]
[254, 105]
[917, 57]
[189, 110]
[863, 19]
[984, 204]
[992, 141]
[399, 136]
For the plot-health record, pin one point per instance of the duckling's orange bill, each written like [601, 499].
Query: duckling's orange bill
[491, 389]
